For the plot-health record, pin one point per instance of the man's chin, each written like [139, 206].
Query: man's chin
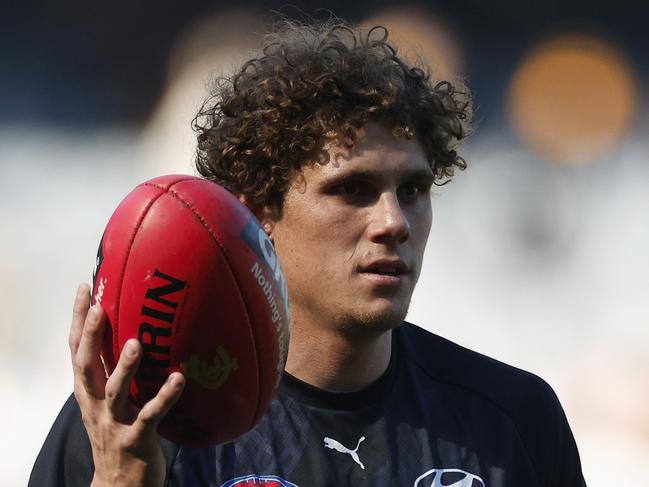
[376, 320]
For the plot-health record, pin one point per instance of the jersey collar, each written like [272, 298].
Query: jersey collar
[346, 401]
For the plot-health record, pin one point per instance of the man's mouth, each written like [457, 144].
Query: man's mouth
[385, 267]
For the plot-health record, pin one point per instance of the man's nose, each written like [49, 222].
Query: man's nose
[389, 220]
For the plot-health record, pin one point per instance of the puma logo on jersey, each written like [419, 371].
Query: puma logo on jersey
[448, 477]
[336, 445]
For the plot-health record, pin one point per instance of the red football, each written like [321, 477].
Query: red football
[186, 269]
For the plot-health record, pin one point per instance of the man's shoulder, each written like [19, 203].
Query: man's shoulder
[518, 393]
[526, 399]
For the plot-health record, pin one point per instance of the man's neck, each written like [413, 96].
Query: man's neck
[332, 361]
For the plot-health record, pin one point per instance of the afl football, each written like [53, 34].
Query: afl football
[187, 270]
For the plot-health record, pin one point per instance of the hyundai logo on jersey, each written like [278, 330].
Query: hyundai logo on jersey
[448, 477]
[258, 481]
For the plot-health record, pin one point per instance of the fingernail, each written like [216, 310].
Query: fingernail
[130, 347]
[94, 312]
[80, 291]
[174, 380]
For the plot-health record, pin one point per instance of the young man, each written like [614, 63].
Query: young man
[334, 142]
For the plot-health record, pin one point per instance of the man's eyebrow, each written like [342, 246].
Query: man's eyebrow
[424, 175]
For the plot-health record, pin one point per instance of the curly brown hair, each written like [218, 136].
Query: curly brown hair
[314, 84]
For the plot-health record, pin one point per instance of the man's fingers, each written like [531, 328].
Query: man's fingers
[156, 409]
[118, 383]
[79, 312]
[89, 367]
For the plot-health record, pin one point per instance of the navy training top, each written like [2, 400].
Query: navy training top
[440, 416]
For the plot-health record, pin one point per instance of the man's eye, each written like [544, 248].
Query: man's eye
[411, 190]
[357, 192]
[351, 188]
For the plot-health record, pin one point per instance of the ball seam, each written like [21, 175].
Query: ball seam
[131, 242]
[221, 246]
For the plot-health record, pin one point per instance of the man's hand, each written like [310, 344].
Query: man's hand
[125, 444]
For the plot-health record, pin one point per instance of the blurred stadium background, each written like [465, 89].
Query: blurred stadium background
[539, 251]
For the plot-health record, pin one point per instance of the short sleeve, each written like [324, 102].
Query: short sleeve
[66, 456]
[567, 471]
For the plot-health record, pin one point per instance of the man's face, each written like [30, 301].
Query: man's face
[352, 233]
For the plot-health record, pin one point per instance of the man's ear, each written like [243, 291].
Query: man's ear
[267, 217]
[265, 214]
